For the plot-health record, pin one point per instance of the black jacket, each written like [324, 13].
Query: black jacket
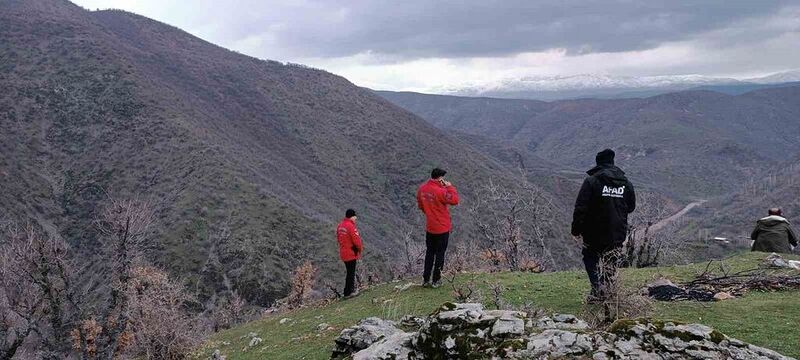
[601, 210]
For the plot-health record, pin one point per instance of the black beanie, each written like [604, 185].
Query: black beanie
[437, 173]
[349, 213]
[605, 157]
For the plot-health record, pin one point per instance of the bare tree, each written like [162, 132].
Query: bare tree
[131, 308]
[37, 293]
[514, 225]
[125, 227]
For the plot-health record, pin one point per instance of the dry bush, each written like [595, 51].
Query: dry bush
[463, 291]
[411, 259]
[493, 259]
[367, 276]
[531, 266]
[303, 280]
[230, 312]
[159, 324]
[495, 298]
[616, 301]
[108, 314]
[332, 291]
[462, 258]
[513, 225]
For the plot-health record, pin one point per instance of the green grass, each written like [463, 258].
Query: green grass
[764, 319]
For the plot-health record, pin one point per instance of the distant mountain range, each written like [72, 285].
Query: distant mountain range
[606, 86]
[689, 144]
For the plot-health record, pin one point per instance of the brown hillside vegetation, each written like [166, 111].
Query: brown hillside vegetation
[249, 161]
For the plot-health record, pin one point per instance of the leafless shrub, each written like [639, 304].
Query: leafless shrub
[462, 258]
[332, 291]
[119, 316]
[230, 311]
[368, 276]
[494, 259]
[495, 298]
[615, 301]
[303, 280]
[37, 293]
[159, 327]
[411, 258]
[463, 291]
[514, 225]
[530, 309]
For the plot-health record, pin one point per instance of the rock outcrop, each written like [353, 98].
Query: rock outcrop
[468, 331]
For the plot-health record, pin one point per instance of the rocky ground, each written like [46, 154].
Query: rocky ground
[468, 331]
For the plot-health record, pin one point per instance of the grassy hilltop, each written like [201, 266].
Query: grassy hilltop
[764, 319]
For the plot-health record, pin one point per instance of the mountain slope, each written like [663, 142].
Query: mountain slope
[687, 144]
[250, 163]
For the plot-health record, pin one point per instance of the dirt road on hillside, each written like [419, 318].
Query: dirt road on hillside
[674, 217]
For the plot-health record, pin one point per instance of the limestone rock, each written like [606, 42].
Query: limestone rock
[561, 321]
[410, 321]
[508, 326]
[395, 346]
[255, 341]
[359, 337]
[217, 355]
[460, 331]
[776, 261]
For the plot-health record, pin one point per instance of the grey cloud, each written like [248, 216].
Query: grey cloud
[452, 29]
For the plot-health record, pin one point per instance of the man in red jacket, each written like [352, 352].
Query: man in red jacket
[433, 198]
[350, 249]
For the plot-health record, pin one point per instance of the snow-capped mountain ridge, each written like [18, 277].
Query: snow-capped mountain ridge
[596, 85]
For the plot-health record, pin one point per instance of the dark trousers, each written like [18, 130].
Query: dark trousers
[435, 247]
[350, 280]
[598, 277]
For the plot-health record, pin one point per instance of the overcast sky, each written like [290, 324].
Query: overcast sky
[425, 45]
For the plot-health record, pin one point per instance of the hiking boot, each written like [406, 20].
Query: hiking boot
[427, 285]
[436, 285]
[352, 295]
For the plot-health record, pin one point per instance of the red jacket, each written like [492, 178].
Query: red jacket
[350, 247]
[433, 199]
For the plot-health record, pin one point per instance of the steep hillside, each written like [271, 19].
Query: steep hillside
[693, 144]
[249, 162]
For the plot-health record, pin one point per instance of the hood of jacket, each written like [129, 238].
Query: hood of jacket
[610, 173]
[773, 220]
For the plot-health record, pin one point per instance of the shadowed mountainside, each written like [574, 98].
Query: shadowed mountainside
[249, 162]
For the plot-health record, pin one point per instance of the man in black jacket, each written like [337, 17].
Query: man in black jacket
[601, 218]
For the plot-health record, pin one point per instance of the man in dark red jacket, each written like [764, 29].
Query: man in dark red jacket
[433, 198]
[350, 249]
